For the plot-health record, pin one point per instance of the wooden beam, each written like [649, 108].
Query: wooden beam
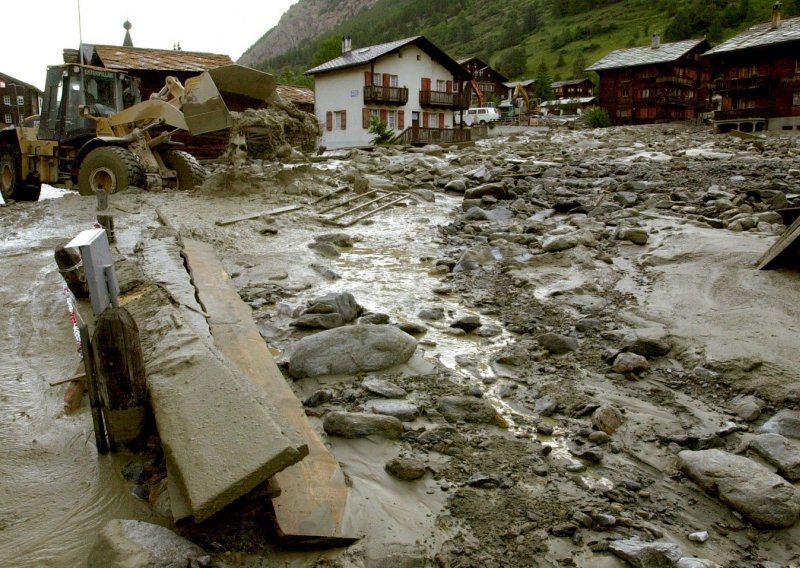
[785, 252]
[269, 213]
[313, 500]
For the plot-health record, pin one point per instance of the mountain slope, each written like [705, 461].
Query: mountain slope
[515, 36]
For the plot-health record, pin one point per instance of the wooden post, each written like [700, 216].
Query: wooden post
[71, 268]
[120, 371]
[106, 220]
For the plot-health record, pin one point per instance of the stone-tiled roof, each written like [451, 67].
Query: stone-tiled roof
[568, 82]
[636, 56]
[361, 55]
[142, 59]
[761, 35]
[296, 95]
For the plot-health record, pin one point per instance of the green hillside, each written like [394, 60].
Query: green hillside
[518, 36]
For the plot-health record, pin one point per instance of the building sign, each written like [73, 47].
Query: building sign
[354, 93]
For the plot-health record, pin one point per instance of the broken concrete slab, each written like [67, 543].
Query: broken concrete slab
[784, 252]
[124, 543]
[313, 501]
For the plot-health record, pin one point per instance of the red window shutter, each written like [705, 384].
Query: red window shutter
[424, 120]
[329, 120]
[344, 120]
[426, 84]
[449, 86]
[441, 120]
[384, 116]
[386, 80]
[365, 118]
[401, 119]
[367, 78]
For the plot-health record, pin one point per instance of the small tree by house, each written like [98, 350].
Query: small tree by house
[382, 133]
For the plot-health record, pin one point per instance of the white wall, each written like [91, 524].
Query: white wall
[344, 90]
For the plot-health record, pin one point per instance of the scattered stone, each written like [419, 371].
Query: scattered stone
[647, 344]
[546, 405]
[383, 388]
[607, 419]
[136, 544]
[483, 481]
[456, 186]
[747, 407]
[400, 409]
[407, 469]
[350, 350]
[328, 312]
[475, 258]
[374, 319]
[545, 429]
[696, 563]
[476, 214]
[786, 423]
[361, 424]
[599, 438]
[496, 190]
[780, 452]
[339, 239]
[467, 323]
[630, 363]
[431, 314]
[489, 330]
[318, 398]
[636, 236]
[646, 554]
[559, 243]
[328, 250]
[467, 409]
[748, 487]
[701, 536]
[557, 344]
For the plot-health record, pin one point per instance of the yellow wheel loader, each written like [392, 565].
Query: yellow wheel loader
[95, 133]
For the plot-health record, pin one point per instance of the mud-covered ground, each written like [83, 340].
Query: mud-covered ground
[622, 321]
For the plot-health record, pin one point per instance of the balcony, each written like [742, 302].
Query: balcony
[740, 113]
[442, 99]
[376, 94]
[419, 135]
[676, 101]
[743, 84]
[684, 81]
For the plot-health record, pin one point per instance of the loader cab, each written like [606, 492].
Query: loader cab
[69, 87]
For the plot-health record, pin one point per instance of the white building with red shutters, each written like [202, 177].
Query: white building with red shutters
[405, 83]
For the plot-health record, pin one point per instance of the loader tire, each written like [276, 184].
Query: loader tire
[110, 168]
[191, 174]
[12, 186]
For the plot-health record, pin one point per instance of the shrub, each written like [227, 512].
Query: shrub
[596, 118]
[381, 132]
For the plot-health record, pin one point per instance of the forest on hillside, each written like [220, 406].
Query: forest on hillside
[527, 38]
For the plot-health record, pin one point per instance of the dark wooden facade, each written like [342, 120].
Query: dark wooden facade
[758, 88]
[573, 89]
[17, 100]
[489, 81]
[660, 91]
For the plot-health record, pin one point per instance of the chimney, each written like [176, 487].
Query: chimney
[346, 44]
[776, 15]
[655, 43]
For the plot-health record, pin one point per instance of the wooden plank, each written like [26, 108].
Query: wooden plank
[785, 252]
[278, 211]
[312, 504]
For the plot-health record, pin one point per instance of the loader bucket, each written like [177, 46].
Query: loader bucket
[203, 107]
[243, 81]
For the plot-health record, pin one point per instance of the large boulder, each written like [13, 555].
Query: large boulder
[329, 311]
[468, 409]
[350, 350]
[786, 423]
[646, 554]
[765, 498]
[780, 452]
[361, 424]
[126, 543]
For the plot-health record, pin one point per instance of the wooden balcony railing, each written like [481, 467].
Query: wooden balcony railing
[443, 99]
[755, 112]
[744, 84]
[685, 81]
[420, 135]
[675, 100]
[377, 94]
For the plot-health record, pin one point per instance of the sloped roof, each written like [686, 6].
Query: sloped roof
[569, 82]
[567, 101]
[9, 80]
[297, 95]
[523, 82]
[143, 59]
[361, 55]
[761, 35]
[635, 56]
[479, 61]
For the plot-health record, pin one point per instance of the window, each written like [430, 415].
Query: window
[7, 100]
[393, 80]
[797, 66]
[645, 93]
[20, 100]
[441, 85]
[339, 120]
[625, 91]
[376, 79]
[796, 98]
[391, 119]
[374, 114]
[8, 119]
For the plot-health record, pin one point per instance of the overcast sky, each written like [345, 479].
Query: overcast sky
[34, 32]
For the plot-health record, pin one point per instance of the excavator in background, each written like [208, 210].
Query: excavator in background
[95, 133]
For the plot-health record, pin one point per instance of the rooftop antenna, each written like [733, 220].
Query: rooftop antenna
[80, 34]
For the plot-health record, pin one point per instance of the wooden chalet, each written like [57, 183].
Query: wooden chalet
[573, 89]
[757, 77]
[488, 81]
[658, 83]
[17, 100]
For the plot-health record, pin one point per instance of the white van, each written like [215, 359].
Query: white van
[481, 115]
